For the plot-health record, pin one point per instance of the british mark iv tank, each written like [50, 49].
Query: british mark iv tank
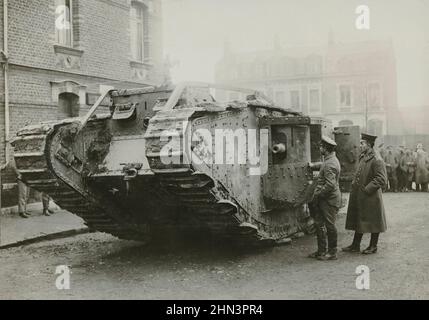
[166, 162]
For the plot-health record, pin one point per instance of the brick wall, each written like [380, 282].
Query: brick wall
[2, 137]
[101, 35]
[100, 54]
[1, 25]
[2, 133]
[101, 31]
[30, 95]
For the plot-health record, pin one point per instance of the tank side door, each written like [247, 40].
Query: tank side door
[347, 139]
[288, 176]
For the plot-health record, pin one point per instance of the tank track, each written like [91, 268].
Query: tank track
[207, 200]
[210, 208]
[34, 161]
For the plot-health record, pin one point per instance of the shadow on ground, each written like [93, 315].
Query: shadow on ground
[192, 249]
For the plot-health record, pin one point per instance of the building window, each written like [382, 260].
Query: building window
[373, 97]
[137, 32]
[345, 95]
[294, 100]
[63, 22]
[314, 101]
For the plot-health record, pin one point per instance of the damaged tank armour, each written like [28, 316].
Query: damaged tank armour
[108, 169]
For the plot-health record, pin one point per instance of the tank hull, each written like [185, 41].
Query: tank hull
[112, 171]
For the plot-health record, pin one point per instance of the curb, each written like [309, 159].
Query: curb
[14, 209]
[46, 237]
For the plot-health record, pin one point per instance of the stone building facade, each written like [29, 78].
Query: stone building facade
[351, 84]
[58, 55]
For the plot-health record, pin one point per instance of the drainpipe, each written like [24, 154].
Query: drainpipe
[6, 96]
[6, 85]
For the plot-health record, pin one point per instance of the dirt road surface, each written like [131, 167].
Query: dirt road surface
[103, 267]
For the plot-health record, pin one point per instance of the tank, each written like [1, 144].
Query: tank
[348, 139]
[162, 162]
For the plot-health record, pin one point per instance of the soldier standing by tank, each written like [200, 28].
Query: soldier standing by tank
[421, 169]
[23, 194]
[392, 163]
[326, 202]
[365, 213]
[45, 203]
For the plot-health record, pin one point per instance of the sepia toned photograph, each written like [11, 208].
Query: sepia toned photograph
[233, 151]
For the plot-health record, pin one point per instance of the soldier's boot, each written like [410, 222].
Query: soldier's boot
[370, 250]
[328, 256]
[372, 244]
[355, 246]
[316, 255]
[332, 251]
[45, 204]
[351, 248]
[24, 215]
[332, 244]
[321, 242]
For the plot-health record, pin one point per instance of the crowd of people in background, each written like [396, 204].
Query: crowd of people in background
[407, 169]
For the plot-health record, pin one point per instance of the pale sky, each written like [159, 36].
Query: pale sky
[195, 32]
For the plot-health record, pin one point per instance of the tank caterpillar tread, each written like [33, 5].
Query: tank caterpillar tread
[35, 162]
[196, 191]
[208, 200]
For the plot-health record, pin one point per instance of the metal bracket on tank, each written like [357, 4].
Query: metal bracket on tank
[130, 171]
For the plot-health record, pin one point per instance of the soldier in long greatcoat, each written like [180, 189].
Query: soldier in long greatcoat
[365, 213]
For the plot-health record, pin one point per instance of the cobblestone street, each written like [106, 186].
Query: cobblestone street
[104, 267]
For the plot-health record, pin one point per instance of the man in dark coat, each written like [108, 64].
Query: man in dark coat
[326, 202]
[365, 213]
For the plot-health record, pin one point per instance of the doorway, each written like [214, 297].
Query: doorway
[68, 105]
